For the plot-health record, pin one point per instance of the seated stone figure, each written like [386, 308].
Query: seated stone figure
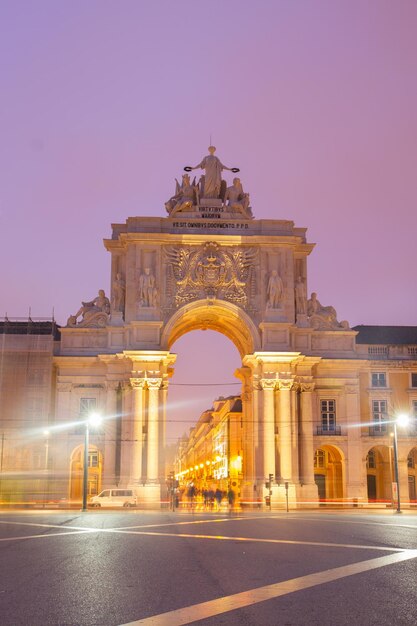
[323, 317]
[94, 313]
[236, 199]
[186, 195]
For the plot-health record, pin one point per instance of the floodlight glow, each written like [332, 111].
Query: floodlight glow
[402, 419]
[94, 419]
[46, 433]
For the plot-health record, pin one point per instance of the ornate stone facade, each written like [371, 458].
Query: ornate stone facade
[305, 379]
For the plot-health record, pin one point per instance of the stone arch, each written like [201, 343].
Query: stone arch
[329, 472]
[224, 317]
[378, 473]
[95, 466]
[412, 474]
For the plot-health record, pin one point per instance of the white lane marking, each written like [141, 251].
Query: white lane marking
[44, 525]
[318, 544]
[73, 532]
[340, 521]
[204, 610]
[200, 521]
[209, 521]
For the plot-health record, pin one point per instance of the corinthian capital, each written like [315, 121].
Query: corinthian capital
[268, 383]
[285, 384]
[138, 383]
[308, 387]
[154, 383]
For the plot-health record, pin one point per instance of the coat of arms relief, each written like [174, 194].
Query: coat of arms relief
[210, 271]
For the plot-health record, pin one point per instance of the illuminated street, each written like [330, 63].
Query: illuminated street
[166, 569]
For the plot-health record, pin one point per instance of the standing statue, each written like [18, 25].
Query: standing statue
[119, 290]
[300, 297]
[236, 198]
[186, 195]
[213, 173]
[147, 289]
[274, 291]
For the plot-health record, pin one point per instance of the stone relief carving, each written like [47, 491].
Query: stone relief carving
[275, 290]
[300, 297]
[148, 292]
[95, 314]
[323, 317]
[119, 291]
[210, 271]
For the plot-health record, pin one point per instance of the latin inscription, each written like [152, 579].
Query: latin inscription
[228, 225]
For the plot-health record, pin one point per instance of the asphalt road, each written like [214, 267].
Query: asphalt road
[165, 569]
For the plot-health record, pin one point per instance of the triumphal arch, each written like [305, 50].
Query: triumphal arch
[207, 264]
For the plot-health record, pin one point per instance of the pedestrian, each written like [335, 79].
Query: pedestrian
[218, 496]
[231, 497]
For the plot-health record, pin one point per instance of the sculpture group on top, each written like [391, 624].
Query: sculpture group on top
[210, 188]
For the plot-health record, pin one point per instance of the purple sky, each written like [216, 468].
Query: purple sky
[102, 104]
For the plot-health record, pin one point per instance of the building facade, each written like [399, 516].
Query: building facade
[318, 397]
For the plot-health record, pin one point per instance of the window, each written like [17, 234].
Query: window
[328, 415]
[411, 460]
[371, 460]
[379, 379]
[414, 379]
[379, 415]
[320, 459]
[93, 459]
[87, 406]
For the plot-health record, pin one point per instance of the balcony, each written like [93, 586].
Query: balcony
[329, 430]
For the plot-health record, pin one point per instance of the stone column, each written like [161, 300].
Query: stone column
[248, 440]
[154, 385]
[285, 442]
[109, 452]
[268, 426]
[138, 385]
[162, 429]
[403, 475]
[355, 470]
[306, 438]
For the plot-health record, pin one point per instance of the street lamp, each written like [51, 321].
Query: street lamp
[401, 420]
[93, 420]
[46, 434]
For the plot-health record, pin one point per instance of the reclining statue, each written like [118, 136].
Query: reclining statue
[94, 314]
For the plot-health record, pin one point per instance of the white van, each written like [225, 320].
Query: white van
[114, 497]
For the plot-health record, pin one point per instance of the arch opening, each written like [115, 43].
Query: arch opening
[204, 414]
[95, 467]
[329, 471]
[223, 317]
[379, 474]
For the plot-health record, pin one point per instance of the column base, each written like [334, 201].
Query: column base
[299, 496]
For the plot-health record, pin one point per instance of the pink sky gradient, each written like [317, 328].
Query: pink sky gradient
[103, 103]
